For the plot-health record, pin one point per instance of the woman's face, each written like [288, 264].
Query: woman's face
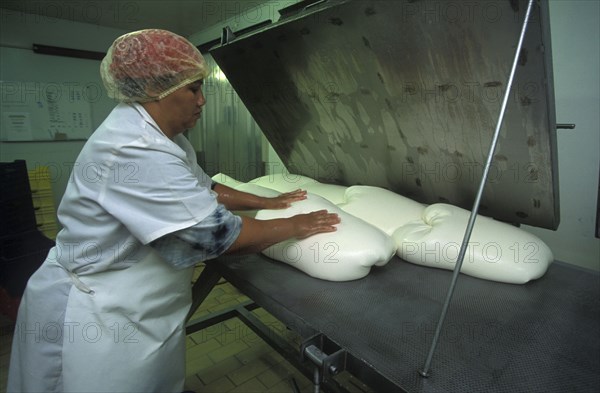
[182, 108]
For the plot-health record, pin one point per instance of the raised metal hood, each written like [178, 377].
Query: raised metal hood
[405, 95]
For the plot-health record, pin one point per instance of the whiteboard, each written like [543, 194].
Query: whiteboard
[38, 111]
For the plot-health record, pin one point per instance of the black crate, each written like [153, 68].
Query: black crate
[22, 247]
[17, 213]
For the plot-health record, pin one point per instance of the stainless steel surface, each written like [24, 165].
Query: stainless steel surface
[475, 209]
[538, 337]
[404, 95]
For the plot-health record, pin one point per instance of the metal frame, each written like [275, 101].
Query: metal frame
[323, 369]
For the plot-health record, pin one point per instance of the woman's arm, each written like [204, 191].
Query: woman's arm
[222, 232]
[256, 235]
[233, 199]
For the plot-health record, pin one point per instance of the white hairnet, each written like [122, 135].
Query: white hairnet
[148, 65]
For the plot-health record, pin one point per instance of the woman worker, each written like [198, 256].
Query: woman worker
[105, 312]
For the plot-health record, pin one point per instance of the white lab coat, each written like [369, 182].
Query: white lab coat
[105, 313]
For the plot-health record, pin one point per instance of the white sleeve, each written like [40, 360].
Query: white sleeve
[162, 194]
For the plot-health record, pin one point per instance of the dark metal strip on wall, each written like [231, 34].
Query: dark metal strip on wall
[67, 52]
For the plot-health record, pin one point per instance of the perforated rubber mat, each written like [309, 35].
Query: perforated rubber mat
[541, 336]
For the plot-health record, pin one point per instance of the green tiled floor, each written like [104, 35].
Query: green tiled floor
[230, 357]
[227, 357]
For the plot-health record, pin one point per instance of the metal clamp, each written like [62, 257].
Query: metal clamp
[326, 366]
[227, 35]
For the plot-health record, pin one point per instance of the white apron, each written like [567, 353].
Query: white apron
[112, 330]
[123, 330]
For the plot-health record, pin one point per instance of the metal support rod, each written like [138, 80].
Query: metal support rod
[202, 287]
[461, 255]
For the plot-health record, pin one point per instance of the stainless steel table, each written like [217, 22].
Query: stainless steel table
[541, 336]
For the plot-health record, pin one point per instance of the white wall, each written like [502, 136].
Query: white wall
[18, 63]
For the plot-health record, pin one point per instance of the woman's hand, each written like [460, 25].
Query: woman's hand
[316, 222]
[238, 200]
[284, 200]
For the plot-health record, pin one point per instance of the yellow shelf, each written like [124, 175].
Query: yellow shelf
[43, 201]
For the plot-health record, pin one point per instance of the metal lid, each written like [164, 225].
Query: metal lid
[406, 95]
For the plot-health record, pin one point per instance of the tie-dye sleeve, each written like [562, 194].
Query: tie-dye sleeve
[206, 240]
